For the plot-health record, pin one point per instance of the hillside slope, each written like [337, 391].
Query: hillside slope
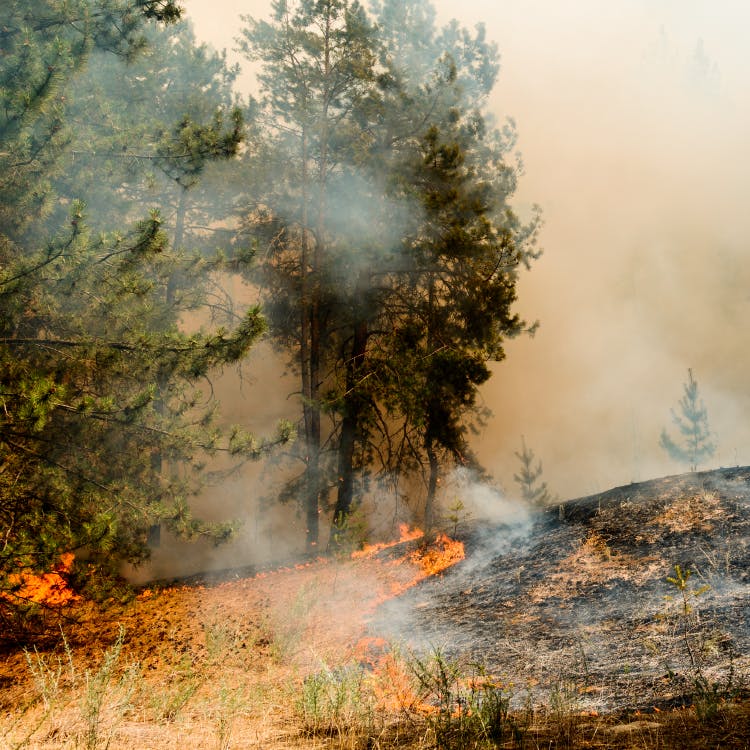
[579, 601]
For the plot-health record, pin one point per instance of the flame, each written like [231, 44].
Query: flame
[393, 685]
[50, 589]
[436, 558]
[405, 535]
[429, 560]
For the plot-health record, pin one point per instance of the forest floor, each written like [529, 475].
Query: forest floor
[412, 646]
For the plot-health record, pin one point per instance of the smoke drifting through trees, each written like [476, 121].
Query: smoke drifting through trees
[631, 119]
[368, 123]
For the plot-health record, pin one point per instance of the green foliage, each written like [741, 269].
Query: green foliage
[471, 708]
[456, 514]
[335, 701]
[696, 441]
[108, 686]
[391, 253]
[103, 433]
[707, 694]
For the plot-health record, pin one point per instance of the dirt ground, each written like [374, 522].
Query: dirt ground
[569, 613]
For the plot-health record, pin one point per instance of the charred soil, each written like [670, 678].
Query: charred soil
[580, 639]
[579, 600]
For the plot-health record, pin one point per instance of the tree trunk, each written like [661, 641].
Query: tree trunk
[157, 460]
[309, 345]
[350, 425]
[432, 483]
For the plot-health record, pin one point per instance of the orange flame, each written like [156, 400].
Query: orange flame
[50, 589]
[440, 556]
[393, 685]
[405, 535]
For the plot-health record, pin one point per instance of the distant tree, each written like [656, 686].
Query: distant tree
[533, 491]
[695, 441]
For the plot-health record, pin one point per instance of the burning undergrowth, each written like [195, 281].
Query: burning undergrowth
[583, 601]
[565, 612]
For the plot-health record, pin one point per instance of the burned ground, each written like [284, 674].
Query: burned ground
[579, 601]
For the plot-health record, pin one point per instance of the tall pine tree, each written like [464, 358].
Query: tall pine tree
[98, 376]
[316, 76]
[392, 252]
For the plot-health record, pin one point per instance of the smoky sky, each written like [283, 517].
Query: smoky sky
[632, 120]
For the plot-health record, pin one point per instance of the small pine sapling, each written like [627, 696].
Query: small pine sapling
[533, 491]
[692, 425]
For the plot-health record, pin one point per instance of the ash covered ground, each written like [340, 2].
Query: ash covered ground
[577, 604]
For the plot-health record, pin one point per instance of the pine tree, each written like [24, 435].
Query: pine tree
[463, 252]
[317, 72]
[97, 375]
[392, 251]
[696, 441]
[533, 491]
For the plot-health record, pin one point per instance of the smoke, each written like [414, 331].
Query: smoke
[632, 120]
[465, 493]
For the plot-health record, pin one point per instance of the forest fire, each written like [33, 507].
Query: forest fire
[405, 535]
[427, 560]
[594, 585]
[50, 589]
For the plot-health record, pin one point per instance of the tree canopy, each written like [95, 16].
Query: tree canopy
[103, 430]
[367, 194]
[391, 250]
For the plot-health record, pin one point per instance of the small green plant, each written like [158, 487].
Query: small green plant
[227, 706]
[707, 694]
[350, 533]
[467, 706]
[168, 702]
[564, 705]
[457, 514]
[48, 673]
[288, 628]
[104, 688]
[334, 700]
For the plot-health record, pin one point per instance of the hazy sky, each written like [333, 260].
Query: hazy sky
[633, 118]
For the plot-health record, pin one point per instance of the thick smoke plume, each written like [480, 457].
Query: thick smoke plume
[632, 121]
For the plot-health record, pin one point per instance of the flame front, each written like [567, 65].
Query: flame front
[405, 535]
[50, 589]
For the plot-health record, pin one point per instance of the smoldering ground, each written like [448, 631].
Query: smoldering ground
[584, 600]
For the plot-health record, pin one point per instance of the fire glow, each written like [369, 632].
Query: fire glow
[50, 589]
[405, 535]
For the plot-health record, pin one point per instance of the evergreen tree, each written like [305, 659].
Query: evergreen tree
[533, 491]
[392, 253]
[97, 375]
[696, 441]
[317, 73]
[453, 295]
